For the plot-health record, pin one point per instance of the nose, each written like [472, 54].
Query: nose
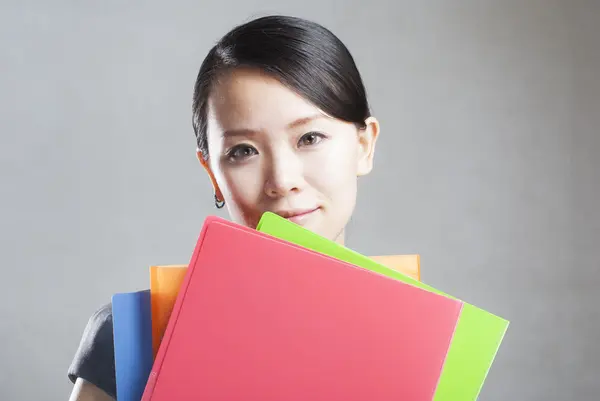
[284, 174]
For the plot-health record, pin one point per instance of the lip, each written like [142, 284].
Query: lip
[298, 216]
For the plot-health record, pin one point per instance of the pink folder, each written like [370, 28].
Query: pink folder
[258, 318]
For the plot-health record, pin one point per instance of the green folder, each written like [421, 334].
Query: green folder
[477, 336]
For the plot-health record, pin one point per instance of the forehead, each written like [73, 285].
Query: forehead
[251, 100]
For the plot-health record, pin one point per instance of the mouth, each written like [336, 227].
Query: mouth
[298, 216]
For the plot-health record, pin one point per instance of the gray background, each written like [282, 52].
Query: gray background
[486, 167]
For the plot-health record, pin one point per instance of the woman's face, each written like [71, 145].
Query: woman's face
[271, 150]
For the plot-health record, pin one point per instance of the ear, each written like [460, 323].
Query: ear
[366, 146]
[211, 175]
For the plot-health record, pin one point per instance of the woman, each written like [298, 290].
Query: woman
[283, 125]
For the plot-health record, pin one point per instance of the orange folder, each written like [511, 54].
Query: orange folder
[410, 265]
[165, 282]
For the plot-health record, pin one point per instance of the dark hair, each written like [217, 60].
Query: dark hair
[302, 55]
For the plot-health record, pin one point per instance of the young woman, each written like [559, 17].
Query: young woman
[282, 124]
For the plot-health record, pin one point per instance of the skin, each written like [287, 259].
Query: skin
[271, 150]
[86, 391]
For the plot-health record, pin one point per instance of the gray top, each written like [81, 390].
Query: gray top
[94, 360]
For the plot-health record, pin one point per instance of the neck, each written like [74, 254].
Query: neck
[340, 239]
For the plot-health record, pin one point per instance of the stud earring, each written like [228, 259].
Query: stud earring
[219, 203]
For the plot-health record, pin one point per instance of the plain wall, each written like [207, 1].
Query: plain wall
[487, 166]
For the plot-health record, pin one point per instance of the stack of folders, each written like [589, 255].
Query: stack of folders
[280, 313]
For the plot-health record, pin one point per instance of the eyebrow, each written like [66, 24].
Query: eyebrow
[305, 120]
[294, 124]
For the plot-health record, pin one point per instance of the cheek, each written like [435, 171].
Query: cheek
[334, 175]
[242, 189]
[243, 184]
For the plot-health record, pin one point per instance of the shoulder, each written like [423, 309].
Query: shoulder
[100, 320]
[94, 358]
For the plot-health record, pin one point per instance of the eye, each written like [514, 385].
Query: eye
[241, 152]
[311, 138]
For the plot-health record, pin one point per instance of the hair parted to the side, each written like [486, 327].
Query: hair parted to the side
[302, 55]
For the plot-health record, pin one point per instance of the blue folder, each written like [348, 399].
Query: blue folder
[132, 330]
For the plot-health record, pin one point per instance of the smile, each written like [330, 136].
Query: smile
[298, 216]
